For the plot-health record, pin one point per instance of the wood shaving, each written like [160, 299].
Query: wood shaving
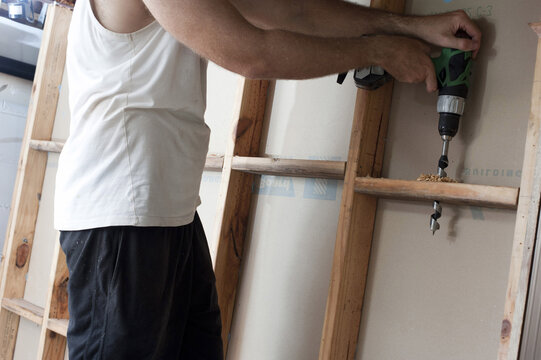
[435, 178]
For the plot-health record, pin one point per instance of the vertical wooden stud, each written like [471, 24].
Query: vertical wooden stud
[235, 197]
[525, 225]
[356, 219]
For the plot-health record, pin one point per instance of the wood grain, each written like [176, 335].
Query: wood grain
[235, 195]
[25, 309]
[58, 326]
[47, 146]
[452, 193]
[355, 227]
[31, 171]
[290, 167]
[525, 228]
[356, 219]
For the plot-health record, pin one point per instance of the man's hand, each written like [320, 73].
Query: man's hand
[407, 60]
[441, 30]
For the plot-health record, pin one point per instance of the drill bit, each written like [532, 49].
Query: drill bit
[442, 164]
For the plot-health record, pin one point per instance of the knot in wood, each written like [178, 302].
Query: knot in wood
[23, 251]
[506, 328]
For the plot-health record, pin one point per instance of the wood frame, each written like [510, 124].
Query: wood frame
[362, 187]
[526, 225]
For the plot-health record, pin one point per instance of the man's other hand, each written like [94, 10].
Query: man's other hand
[441, 29]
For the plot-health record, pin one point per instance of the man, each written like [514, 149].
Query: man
[141, 281]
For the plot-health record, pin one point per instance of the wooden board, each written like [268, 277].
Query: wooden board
[31, 172]
[525, 225]
[356, 219]
[235, 197]
[24, 309]
[290, 167]
[460, 194]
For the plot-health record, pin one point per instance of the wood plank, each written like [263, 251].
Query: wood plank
[25, 309]
[58, 326]
[51, 345]
[214, 163]
[525, 226]
[460, 194]
[47, 146]
[290, 167]
[31, 172]
[235, 197]
[356, 219]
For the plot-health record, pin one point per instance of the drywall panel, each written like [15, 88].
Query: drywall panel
[441, 297]
[14, 99]
[30, 349]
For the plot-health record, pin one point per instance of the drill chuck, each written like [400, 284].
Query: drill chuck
[450, 108]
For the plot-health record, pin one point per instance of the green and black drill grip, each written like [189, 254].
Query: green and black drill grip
[453, 70]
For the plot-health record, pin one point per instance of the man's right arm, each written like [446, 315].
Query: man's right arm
[217, 31]
[339, 18]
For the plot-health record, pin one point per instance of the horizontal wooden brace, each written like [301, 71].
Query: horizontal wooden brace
[24, 309]
[59, 326]
[452, 193]
[44, 145]
[290, 167]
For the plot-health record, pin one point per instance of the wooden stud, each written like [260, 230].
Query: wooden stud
[235, 197]
[525, 225]
[31, 172]
[356, 219]
[460, 194]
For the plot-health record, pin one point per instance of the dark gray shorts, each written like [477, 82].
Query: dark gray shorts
[142, 293]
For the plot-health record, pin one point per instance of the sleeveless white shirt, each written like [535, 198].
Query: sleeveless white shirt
[138, 141]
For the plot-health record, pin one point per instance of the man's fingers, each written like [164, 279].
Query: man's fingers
[467, 25]
[431, 81]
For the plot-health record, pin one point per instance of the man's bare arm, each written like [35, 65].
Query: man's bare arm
[336, 18]
[217, 31]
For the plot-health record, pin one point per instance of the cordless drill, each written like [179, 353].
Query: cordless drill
[453, 70]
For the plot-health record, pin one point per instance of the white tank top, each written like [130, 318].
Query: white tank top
[138, 141]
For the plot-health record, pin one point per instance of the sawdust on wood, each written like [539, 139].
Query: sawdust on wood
[435, 178]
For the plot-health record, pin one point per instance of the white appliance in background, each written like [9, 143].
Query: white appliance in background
[14, 99]
[19, 42]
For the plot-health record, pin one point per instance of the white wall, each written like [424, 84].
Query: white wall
[14, 99]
